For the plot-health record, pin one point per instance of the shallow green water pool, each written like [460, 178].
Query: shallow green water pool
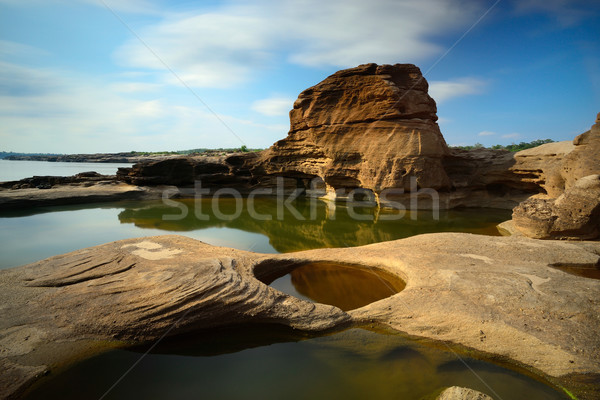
[27, 236]
[275, 363]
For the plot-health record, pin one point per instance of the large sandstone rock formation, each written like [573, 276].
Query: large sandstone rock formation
[503, 295]
[373, 126]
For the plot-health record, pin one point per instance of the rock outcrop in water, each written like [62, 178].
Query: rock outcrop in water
[373, 126]
[460, 393]
[504, 297]
[87, 187]
[214, 172]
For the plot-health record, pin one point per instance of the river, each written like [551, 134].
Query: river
[16, 170]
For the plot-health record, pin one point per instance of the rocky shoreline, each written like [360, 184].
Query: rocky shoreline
[119, 158]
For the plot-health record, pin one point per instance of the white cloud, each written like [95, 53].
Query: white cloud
[511, 136]
[486, 133]
[444, 90]
[58, 113]
[227, 45]
[273, 106]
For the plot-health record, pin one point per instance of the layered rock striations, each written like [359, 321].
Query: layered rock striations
[373, 126]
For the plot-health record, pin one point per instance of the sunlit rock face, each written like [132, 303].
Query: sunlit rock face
[372, 126]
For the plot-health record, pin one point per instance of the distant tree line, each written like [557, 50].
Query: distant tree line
[4, 154]
[510, 147]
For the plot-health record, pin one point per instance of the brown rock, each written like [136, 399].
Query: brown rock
[573, 215]
[584, 160]
[215, 171]
[373, 126]
[460, 393]
[542, 165]
[73, 193]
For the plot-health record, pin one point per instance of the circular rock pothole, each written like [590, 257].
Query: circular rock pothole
[345, 286]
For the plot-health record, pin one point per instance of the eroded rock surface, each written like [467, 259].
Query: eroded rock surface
[88, 187]
[503, 296]
[575, 214]
[584, 160]
[460, 393]
[373, 126]
[231, 171]
[541, 166]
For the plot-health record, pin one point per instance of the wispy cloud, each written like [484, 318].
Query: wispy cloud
[511, 136]
[135, 87]
[46, 110]
[13, 49]
[486, 133]
[223, 47]
[444, 90]
[273, 106]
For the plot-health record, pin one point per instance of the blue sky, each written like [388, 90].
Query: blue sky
[84, 76]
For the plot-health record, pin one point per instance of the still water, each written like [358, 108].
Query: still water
[274, 363]
[16, 170]
[28, 236]
[264, 362]
[343, 286]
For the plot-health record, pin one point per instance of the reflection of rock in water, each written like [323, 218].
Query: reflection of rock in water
[345, 287]
[317, 230]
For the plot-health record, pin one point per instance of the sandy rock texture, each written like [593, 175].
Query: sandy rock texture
[584, 160]
[501, 296]
[575, 214]
[372, 126]
[460, 393]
